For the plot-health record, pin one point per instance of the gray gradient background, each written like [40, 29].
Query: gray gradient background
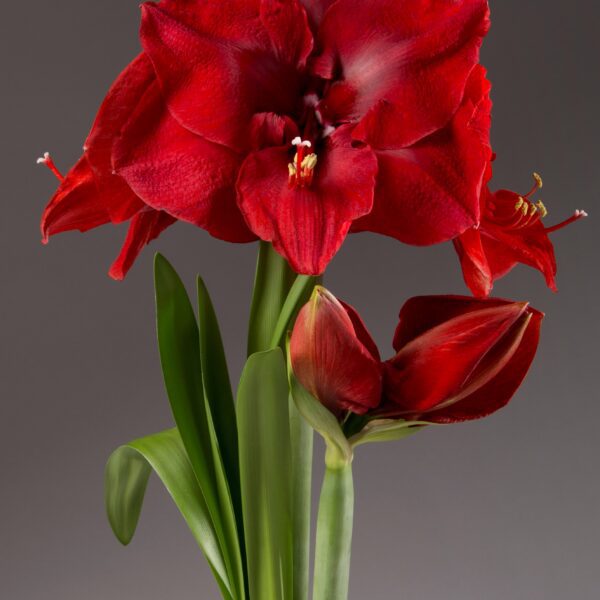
[503, 508]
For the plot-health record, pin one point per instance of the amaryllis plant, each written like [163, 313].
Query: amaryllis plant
[294, 123]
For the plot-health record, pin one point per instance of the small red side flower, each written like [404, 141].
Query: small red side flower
[457, 358]
[294, 122]
[511, 232]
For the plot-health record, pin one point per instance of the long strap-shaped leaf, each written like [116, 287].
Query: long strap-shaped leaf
[265, 469]
[126, 477]
[217, 390]
[179, 345]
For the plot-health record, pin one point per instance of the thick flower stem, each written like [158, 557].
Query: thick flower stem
[334, 534]
[272, 283]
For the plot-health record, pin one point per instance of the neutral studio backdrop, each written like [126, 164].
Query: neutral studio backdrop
[505, 508]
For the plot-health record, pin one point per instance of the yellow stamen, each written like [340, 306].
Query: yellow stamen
[519, 203]
[309, 162]
[543, 210]
[538, 180]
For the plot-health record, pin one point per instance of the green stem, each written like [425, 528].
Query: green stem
[301, 445]
[334, 533]
[272, 283]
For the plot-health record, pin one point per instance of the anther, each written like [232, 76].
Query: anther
[46, 159]
[538, 184]
[543, 210]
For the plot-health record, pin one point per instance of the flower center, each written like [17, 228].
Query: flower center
[525, 212]
[301, 169]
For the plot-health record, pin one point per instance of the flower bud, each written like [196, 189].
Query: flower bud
[334, 357]
[458, 358]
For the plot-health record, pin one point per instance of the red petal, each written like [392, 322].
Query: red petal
[422, 313]
[505, 247]
[212, 85]
[146, 226]
[308, 225]
[361, 331]
[434, 368]
[416, 55]
[474, 263]
[430, 192]
[269, 129]
[497, 392]
[316, 10]
[330, 361]
[287, 25]
[76, 204]
[120, 102]
[179, 172]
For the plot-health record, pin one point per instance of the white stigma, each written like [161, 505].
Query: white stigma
[581, 213]
[298, 141]
[43, 159]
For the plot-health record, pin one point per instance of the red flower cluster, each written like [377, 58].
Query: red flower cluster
[457, 358]
[291, 121]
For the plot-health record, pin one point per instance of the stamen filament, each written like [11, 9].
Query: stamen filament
[579, 214]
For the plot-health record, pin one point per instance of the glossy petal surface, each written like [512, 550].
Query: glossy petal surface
[329, 359]
[179, 172]
[415, 55]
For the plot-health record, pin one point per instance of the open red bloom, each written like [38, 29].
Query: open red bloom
[457, 358]
[511, 232]
[294, 122]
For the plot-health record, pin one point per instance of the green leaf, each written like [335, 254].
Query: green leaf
[217, 390]
[386, 430]
[298, 296]
[179, 345]
[265, 468]
[127, 472]
[271, 286]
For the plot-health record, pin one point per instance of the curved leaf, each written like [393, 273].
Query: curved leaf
[126, 476]
[217, 391]
[179, 345]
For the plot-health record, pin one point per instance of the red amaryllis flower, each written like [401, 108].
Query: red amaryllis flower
[285, 112]
[511, 232]
[457, 358]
